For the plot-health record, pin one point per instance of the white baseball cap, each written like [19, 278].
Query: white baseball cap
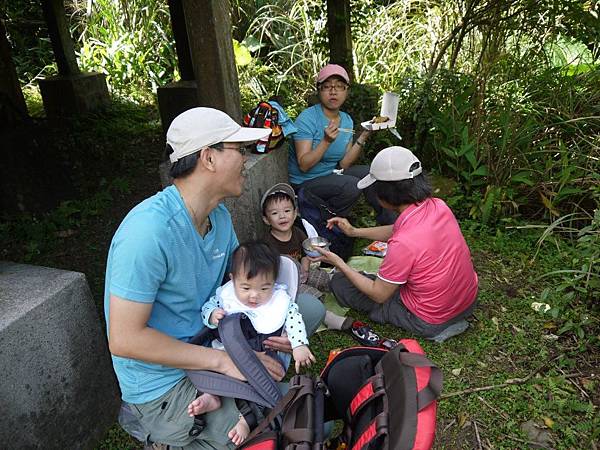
[391, 164]
[197, 128]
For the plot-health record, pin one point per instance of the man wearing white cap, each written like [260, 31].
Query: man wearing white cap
[167, 258]
[426, 283]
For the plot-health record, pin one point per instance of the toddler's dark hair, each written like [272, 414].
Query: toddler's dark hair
[255, 257]
[276, 197]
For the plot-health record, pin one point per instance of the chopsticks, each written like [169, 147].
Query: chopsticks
[346, 130]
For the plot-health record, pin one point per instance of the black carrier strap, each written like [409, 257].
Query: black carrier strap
[302, 420]
[246, 360]
[260, 388]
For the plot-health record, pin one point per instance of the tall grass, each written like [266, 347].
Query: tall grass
[130, 41]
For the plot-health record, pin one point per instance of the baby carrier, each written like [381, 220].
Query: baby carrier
[260, 393]
[254, 398]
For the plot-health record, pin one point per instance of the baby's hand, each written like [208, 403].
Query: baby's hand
[303, 357]
[216, 315]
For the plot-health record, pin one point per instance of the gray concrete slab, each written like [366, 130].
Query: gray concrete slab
[71, 95]
[58, 388]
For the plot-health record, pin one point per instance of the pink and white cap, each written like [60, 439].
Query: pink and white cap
[331, 70]
[391, 164]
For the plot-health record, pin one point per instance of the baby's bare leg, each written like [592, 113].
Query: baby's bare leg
[239, 432]
[204, 403]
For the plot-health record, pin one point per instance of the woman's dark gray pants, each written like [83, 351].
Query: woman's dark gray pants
[341, 193]
[393, 311]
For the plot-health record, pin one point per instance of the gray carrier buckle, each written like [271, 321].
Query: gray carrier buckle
[199, 424]
[296, 381]
[306, 446]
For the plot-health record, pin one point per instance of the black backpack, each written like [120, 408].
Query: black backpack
[386, 398]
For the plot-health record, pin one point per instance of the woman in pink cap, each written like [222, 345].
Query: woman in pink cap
[323, 144]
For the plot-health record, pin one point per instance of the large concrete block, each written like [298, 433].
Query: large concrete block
[74, 94]
[175, 98]
[58, 388]
[263, 171]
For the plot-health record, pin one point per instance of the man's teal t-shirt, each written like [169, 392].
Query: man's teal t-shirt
[156, 256]
[311, 124]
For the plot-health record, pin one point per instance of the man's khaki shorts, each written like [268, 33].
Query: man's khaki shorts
[169, 422]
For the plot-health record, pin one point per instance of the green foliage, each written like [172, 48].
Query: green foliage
[28, 36]
[131, 42]
[581, 277]
[287, 38]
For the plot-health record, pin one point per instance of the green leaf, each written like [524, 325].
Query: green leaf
[242, 54]
[481, 171]
[522, 178]
[452, 166]
[470, 155]
[252, 44]
[451, 153]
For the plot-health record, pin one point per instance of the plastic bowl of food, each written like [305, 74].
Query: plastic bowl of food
[309, 245]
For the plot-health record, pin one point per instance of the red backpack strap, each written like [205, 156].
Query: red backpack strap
[377, 427]
[265, 441]
[373, 388]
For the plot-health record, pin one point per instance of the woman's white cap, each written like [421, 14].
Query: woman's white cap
[197, 128]
[391, 164]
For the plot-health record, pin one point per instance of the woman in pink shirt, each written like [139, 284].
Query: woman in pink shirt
[426, 283]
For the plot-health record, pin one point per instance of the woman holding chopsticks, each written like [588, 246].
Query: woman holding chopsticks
[324, 150]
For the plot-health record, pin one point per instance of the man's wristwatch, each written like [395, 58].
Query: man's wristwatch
[359, 143]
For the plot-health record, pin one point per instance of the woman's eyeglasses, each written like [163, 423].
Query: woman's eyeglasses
[333, 87]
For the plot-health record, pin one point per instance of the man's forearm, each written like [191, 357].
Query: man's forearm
[153, 346]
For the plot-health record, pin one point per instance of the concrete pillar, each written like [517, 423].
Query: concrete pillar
[179, 96]
[58, 388]
[62, 44]
[71, 92]
[340, 34]
[182, 44]
[208, 25]
[202, 32]
[12, 103]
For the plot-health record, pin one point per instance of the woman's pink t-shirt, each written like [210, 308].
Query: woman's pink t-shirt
[428, 256]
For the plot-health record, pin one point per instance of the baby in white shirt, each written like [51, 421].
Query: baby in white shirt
[268, 306]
